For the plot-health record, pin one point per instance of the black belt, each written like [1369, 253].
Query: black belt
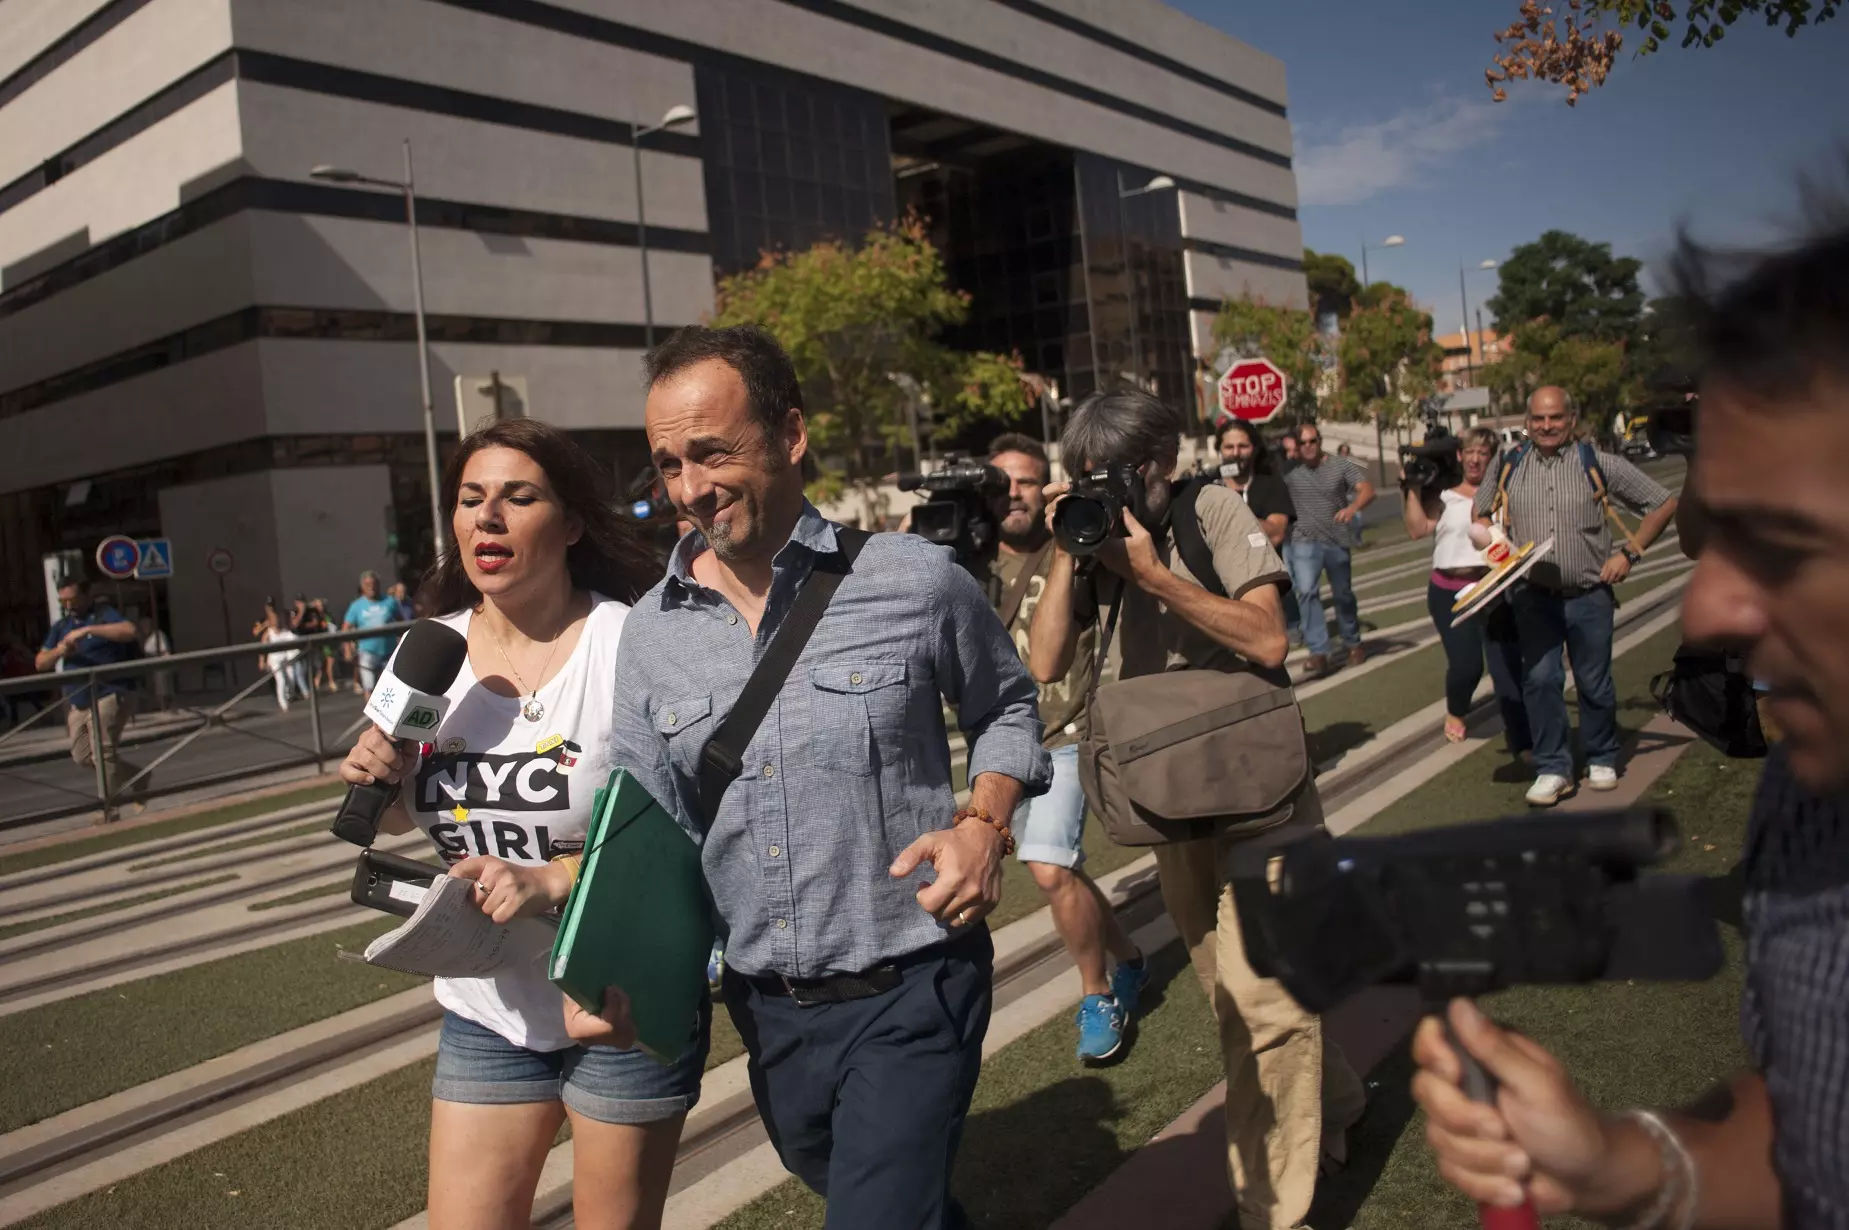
[843, 988]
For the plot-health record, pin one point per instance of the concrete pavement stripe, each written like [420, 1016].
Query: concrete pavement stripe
[341, 1075]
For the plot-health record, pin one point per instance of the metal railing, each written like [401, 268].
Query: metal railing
[216, 715]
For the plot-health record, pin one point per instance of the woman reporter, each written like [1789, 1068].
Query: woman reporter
[1456, 563]
[537, 576]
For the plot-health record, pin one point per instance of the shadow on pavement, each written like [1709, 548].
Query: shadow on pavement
[1337, 739]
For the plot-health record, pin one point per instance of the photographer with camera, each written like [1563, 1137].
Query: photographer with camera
[1328, 492]
[1051, 828]
[1771, 584]
[1554, 487]
[1437, 491]
[1291, 1096]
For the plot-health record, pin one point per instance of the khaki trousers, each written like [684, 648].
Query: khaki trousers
[113, 710]
[1290, 1093]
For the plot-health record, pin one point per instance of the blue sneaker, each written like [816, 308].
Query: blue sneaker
[1127, 983]
[1101, 1028]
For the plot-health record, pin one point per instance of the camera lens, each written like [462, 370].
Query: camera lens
[1083, 523]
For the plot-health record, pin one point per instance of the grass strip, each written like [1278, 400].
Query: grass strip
[241, 843]
[39, 924]
[1083, 1122]
[115, 839]
[307, 894]
[92, 1045]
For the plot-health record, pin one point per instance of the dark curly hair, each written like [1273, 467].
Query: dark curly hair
[610, 556]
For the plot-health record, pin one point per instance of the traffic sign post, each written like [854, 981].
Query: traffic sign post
[1253, 390]
[219, 561]
[156, 559]
[118, 556]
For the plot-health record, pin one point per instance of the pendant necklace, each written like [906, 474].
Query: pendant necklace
[531, 709]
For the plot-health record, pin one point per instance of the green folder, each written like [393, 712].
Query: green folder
[639, 918]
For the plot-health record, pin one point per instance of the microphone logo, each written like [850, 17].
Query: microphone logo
[421, 717]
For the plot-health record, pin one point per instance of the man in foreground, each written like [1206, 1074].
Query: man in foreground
[1771, 583]
[1554, 487]
[1051, 828]
[861, 988]
[1326, 493]
[1291, 1096]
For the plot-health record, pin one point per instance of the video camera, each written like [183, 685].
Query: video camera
[1093, 510]
[960, 513]
[1434, 464]
[1475, 908]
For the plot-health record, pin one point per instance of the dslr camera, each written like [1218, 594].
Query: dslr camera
[961, 511]
[1434, 464]
[1093, 510]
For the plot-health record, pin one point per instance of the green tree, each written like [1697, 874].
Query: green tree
[1576, 284]
[1288, 337]
[1388, 357]
[1577, 48]
[1595, 372]
[1333, 285]
[861, 325]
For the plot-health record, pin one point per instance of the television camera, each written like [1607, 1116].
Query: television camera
[960, 513]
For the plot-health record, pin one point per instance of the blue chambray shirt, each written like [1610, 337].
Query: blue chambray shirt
[851, 764]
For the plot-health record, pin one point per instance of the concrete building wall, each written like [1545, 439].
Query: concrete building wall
[238, 514]
[1239, 226]
[1168, 30]
[331, 525]
[34, 25]
[1223, 277]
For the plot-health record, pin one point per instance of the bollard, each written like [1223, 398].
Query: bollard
[314, 721]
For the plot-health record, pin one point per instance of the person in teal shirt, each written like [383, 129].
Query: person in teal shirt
[372, 609]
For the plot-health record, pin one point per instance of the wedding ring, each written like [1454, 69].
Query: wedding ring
[963, 918]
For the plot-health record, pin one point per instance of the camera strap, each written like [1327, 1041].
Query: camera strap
[1190, 543]
[1017, 590]
[723, 757]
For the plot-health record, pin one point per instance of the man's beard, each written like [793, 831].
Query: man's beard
[1024, 530]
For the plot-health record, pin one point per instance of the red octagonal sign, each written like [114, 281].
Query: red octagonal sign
[1252, 389]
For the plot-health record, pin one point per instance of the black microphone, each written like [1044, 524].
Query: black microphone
[408, 703]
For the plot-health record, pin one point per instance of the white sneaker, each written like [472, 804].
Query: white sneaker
[1547, 790]
[1601, 777]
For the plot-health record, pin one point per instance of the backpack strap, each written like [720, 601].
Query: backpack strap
[723, 757]
[1499, 507]
[1190, 543]
[1017, 592]
[1595, 474]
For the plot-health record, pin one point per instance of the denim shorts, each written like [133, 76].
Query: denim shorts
[1051, 828]
[477, 1065]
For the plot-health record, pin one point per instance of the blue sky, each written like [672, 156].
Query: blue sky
[1396, 133]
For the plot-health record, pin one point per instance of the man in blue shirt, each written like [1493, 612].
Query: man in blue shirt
[94, 634]
[372, 609]
[862, 987]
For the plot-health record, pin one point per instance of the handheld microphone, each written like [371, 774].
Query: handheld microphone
[408, 703]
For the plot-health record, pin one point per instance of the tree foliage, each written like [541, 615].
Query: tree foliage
[1577, 48]
[1387, 354]
[1594, 371]
[1287, 336]
[857, 321]
[1333, 285]
[1576, 284]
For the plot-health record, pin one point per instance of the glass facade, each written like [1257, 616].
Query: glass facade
[1139, 290]
[789, 160]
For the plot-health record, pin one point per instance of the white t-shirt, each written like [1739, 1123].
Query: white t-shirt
[491, 782]
[1451, 537]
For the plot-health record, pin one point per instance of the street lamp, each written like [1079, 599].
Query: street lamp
[1391, 241]
[1470, 366]
[680, 113]
[341, 175]
[1160, 183]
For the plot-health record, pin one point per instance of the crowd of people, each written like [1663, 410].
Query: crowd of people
[301, 669]
[851, 886]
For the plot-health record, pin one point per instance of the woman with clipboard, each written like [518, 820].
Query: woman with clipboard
[537, 575]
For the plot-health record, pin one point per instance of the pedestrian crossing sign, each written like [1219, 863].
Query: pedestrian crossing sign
[156, 559]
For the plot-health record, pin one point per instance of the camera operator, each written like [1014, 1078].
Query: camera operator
[1245, 467]
[1052, 827]
[1444, 514]
[1291, 1096]
[1551, 488]
[1771, 583]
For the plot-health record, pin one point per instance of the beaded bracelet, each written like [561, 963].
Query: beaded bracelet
[982, 814]
[1681, 1181]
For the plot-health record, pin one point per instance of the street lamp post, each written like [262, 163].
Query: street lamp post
[1380, 435]
[1159, 184]
[341, 175]
[681, 113]
[1470, 364]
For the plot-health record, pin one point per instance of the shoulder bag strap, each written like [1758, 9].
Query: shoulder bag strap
[1595, 474]
[1190, 543]
[1110, 628]
[724, 755]
[1017, 592]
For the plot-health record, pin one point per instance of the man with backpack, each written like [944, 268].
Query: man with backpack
[1200, 688]
[1554, 486]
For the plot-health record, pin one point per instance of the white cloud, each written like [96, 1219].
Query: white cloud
[1363, 160]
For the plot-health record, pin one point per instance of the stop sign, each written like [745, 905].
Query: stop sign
[1252, 389]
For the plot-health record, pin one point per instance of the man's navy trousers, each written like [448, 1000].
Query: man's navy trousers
[865, 1100]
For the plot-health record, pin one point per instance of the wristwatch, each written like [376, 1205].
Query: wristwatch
[1635, 557]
